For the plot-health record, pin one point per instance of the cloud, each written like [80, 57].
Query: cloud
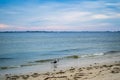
[100, 16]
[105, 16]
[2, 26]
[67, 17]
[113, 4]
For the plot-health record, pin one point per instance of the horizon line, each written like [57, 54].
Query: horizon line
[57, 31]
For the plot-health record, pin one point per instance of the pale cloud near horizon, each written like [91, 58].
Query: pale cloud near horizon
[85, 15]
[2, 26]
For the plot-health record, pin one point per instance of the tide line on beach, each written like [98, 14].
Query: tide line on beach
[106, 71]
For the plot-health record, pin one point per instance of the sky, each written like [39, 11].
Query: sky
[59, 15]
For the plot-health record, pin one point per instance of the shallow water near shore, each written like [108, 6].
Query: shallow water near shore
[61, 65]
[31, 52]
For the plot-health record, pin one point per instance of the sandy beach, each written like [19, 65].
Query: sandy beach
[96, 71]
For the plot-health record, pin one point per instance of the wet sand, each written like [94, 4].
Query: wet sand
[96, 71]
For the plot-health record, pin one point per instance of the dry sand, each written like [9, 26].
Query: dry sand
[109, 71]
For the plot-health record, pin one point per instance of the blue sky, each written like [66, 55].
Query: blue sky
[60, 15]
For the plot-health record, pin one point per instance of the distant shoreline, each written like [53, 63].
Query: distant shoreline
[53, 31]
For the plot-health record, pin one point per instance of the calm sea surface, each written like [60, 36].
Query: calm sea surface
[20, 48]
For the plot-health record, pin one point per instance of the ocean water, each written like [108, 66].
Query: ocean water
[23, 49]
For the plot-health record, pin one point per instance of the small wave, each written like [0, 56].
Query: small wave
[5, 58]
[84, 55]
[73, 56]
[112, 52]
[7, 67]
[92, 55]
[68, 50]
[43, 61]
[28, 64]
[98, 54]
